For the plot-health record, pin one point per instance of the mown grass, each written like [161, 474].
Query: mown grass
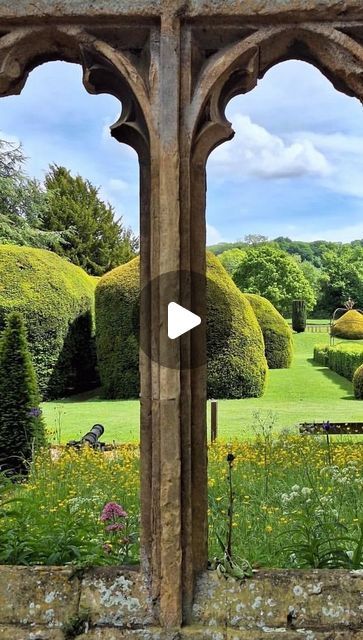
[303, 393]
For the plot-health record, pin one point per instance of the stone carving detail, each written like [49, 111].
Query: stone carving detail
[236, 68]
[105, 70]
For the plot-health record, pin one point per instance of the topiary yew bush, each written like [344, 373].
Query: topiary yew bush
[21, 425]
[237, 366]
[117, 309]
[358, 383]
[349, 326]
[276, 332]
[56, 300]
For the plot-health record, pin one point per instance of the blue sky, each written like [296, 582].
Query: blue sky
[294, 168]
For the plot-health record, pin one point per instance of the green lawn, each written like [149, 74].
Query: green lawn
[303, 393]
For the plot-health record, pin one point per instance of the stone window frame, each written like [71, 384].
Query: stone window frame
[174, 66]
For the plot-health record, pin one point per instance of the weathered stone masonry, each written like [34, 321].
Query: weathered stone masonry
[50, 603]
[174, 65]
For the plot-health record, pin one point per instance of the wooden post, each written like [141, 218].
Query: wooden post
[213, 420]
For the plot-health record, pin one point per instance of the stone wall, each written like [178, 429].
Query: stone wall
[58, 603]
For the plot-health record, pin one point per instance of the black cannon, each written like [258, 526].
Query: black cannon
[91, 438]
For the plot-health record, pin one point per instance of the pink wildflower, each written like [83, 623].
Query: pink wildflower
[111, 511]
[117, 526]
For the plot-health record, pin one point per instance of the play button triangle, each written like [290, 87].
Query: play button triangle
[180, 320]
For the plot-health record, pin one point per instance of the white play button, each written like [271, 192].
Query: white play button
[180, 320]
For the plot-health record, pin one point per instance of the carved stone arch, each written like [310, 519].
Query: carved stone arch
[236, 69]
[105, 70]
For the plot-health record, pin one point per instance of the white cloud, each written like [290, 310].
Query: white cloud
[345, 155]
[255, 151]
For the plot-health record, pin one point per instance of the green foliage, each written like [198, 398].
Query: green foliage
[22, 203]
[21, 425]
[117, 308]
[56, 515]
[96, 241]
[236, 362]
[270, 272]
[358, 383]
[349, 326]
[238, 370]
[56, 299]
[276, 332]
[344, 359]
[342, 277]
[298, 316]
[321, 354]
[231, 259]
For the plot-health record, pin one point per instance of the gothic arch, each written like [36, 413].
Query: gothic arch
[236, 69]
[105, 70]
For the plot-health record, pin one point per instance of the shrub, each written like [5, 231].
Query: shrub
[321, 354]
[236, 363]
[21, 426]
[56, 300]
[358, 383]
[276, 332]
[349, 326]
[343, 359]
[299, 315]
[117, 308]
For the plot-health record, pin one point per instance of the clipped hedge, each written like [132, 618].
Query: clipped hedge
[349, 326]
[358, 383]
[276, 332]
[56, 299]
[343, 359]
[237, 366]
[117, 307]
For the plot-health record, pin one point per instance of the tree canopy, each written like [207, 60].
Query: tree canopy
[23, 202]
[272, 273]
[96, 241]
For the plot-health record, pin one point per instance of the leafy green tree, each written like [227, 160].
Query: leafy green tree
[342, 277]
[21, 425]
[271, 273]
[231, 259]
[22, 203]
[96, 241]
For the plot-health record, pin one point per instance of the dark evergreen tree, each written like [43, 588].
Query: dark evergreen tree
[21, 425]
[97, 242]
[299, 315]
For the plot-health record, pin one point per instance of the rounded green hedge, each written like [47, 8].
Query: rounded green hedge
[117, 305]
[277, 334]
[237, 366]
[358, 383]
[349, 326]
[56, 299]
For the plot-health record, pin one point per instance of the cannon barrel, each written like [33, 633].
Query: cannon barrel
[93, 435]
[91, 438]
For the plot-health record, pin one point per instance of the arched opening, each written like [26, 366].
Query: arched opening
[60, 126]
[290, 174]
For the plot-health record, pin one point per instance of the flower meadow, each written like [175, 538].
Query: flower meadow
[281, 501]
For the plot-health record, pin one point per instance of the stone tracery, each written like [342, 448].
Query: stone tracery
[174, 66]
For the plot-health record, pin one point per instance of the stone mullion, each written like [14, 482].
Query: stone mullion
[192, 239]
[167, 259]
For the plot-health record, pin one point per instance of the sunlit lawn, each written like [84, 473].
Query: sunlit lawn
[305, 392]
